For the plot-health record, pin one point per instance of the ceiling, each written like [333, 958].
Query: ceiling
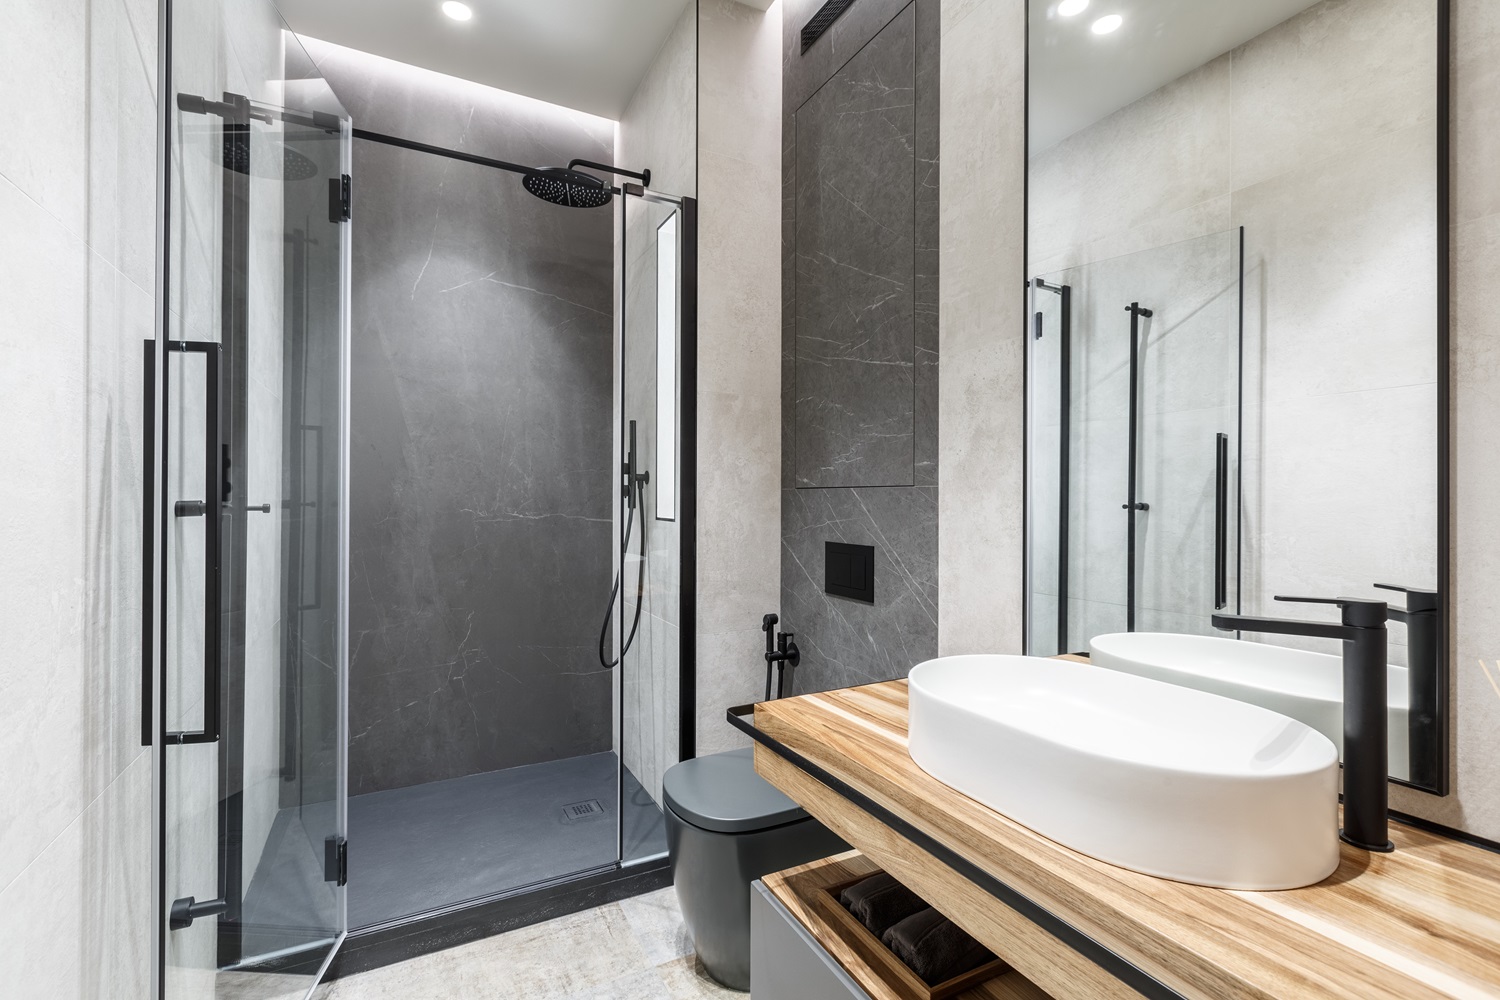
[588, 55]
[1077, 77]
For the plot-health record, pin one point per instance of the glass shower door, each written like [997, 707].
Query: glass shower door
[248, 712]
[656, 251]
[1134, 444]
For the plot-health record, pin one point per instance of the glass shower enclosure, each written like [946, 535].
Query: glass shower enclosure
[262, 474]
[522, 486]
[244, 512]
[1134, 444]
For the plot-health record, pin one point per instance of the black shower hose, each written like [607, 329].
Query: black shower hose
[614, 592]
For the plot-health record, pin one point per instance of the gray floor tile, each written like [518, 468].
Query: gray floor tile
[657, 924]
[636, 949]
[572, 954]
[687, 980]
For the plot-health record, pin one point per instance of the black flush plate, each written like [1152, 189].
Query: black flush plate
[849, 571]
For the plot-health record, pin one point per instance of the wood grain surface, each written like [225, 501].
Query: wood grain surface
[802, 890]
[1423, 922]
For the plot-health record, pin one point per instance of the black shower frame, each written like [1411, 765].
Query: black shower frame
[1064, 293]
[1442, 294]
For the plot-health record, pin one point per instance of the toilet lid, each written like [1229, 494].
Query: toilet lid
[723, 793]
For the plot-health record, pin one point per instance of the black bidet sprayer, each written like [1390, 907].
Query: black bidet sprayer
[634, 492]
[780, 656]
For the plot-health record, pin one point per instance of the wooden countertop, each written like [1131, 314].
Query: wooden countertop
[795, 888]
[1422, 922]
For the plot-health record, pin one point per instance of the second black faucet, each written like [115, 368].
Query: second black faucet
[1362, 630]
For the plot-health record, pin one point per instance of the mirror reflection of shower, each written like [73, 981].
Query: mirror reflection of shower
[1134, 368]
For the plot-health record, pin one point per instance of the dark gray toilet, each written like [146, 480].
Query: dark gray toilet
[726, 827]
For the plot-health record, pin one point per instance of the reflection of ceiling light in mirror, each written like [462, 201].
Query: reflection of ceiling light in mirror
[1069, 8]
[457, 11]
[1107, 23]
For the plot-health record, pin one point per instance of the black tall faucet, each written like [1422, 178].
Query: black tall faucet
[1425, 681]
[1363, 633]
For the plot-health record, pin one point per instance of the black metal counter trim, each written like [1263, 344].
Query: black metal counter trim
[1122, 969]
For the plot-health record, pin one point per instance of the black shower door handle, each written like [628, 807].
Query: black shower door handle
[210, 508]
[1221, 521]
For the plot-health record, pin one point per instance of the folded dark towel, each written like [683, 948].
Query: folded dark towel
[934, 947]
[880, 902]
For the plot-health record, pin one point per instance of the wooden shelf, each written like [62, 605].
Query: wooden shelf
[1423, 922]
[799, 889]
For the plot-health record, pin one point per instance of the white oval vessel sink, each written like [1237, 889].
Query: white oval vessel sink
[1149, 776]
[1305, 685]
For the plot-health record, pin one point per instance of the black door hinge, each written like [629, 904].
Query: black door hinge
[336, 861]
[340, 198]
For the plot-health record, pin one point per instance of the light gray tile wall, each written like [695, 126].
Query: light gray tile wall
[981, 401]
[739, 355]
[983, 87]
[77, 236]
[860, 356]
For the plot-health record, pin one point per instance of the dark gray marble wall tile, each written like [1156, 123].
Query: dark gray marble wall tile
[804, 72]
[929, 32]
[480, 551]
[846, 642]
[856, 269]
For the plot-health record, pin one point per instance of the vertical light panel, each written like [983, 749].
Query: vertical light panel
[665, 474]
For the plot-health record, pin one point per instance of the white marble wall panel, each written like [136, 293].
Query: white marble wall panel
[983, 299]
[1337, 74]
[45, 284]
[77, 80]
[1166, 153]
[739, 355]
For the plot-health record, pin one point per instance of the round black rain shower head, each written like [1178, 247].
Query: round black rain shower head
[294, 165]
[562, 186]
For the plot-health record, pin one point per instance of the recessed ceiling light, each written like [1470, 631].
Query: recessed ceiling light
[1069, 8]
[457, 11]
[1107, 23]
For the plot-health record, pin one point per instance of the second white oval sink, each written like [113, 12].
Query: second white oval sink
[1305, 685]
[1149, 776]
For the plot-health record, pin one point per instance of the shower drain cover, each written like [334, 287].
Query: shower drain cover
[576, 811]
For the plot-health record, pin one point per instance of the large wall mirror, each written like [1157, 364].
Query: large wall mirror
[1237, 344]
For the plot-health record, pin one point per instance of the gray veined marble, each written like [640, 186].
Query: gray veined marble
[860, 335]
[855, 269]
[480, 532]
[846, 642]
